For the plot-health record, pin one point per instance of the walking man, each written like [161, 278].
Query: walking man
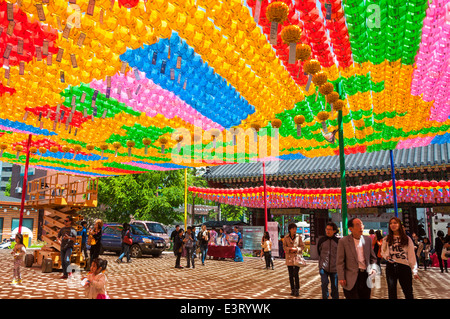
[327, 250]
[66, 237]
[355, 259]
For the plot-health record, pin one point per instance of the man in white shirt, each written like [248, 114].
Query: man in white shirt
[356, 260]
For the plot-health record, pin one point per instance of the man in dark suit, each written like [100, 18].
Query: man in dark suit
[356, 260]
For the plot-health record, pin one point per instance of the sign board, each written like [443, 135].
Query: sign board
[272, 228]
[363, 211]
[251, 236]
[441, 210]
[287, 211]
[312, 229]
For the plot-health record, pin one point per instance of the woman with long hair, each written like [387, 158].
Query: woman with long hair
[398, 250]
[96, 244]
[293, 246]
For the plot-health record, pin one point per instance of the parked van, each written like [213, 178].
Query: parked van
[154, 228]
[143, 242]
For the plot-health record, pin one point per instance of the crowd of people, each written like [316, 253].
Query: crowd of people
[350, 261]
[192, 244]
[353, 260]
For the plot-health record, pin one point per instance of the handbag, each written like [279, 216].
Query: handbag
[298, 259]
[91, 240]
[445, 254]
[127, 240]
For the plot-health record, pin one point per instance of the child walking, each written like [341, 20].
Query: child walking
[18, 252]
[96, 280]
[267, 247]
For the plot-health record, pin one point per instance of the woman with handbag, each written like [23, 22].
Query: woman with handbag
[127, 241]
[96, 239]
[293, 248]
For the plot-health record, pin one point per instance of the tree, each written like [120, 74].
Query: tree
[232, 212]
[8, 188]
[148, 196]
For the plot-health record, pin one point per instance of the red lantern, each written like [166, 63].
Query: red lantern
[128, 3]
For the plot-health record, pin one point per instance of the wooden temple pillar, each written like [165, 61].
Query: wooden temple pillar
[318, 219]
[409, 219]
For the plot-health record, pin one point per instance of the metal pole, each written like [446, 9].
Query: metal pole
[343, 182]
[185, 198]
[394, 189]
[24, 186]
[265, 196]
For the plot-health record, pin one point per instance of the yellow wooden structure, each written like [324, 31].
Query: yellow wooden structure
[60, 195]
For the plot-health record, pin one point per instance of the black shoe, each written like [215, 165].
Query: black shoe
[292, 292]
[296, 293]
[118, 261]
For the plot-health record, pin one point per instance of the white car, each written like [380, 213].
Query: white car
[154, 228]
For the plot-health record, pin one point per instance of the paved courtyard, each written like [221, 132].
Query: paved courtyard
[156, 278]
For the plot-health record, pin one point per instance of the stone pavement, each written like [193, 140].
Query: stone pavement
[156, 278]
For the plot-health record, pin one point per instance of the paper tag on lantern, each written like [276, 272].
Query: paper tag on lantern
[137, 90]
[7, 71]
[40, 11]
[328, 11]
[83, 97]
[108, 81]
[59, 55]
[45, 47]
[155, 55]
[101, 16]
[94, 110]
[90, 8]
[172, 74]
[94, 96]
[168, 54]
[105, 112]
[21, 67]
[136, 74]
[123, 69]
[257, 11]
[163, 67]
[46, 1]
[292, 53]
[273, 33]
[58, 22]
[184, 85]
[19, 3]
[179, 78]
[130, 97]
[85, 112]
[49, 59]
[10, 11]
[7, 51]
[73, 1]
[108, 92]
[20, 46]
[73, 59]
[119, 90]
[309, 82]
[10, 29]
[81, 39]
[299, 130]
[66, 31]
[179, 62]
[73, 102]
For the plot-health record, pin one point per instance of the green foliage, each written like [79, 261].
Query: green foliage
[8, 188]
[149, 196]
[232, 212]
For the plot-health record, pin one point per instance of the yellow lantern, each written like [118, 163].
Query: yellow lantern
[277, 12]
[299, 120]
[291, 35]
[19, 148]
[3, 147]
[116, 146]
[130, 144]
